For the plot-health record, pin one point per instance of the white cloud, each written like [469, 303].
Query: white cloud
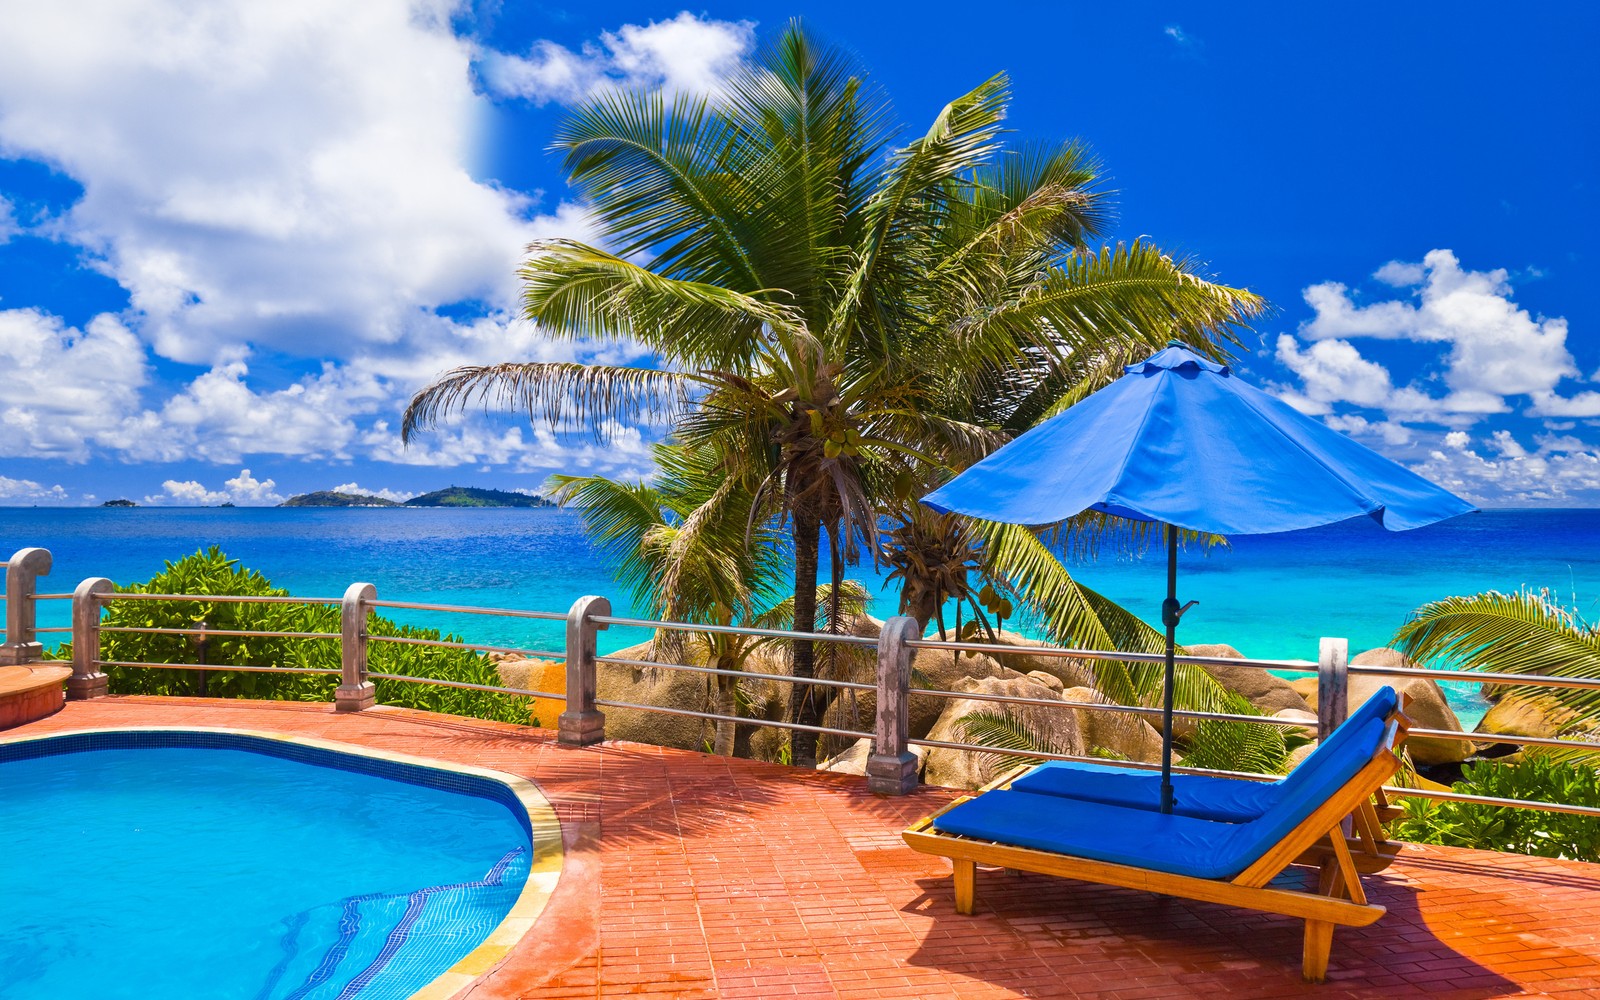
[1177, 34]
[1334, 371]
[1495, 347]
[266, 174]
[1558, 472]
[1492, 350]
[65, 388]
[8, 220]
[244, 490]
[386, 494]
[1400, 274]
[27, 489]
[683, 55]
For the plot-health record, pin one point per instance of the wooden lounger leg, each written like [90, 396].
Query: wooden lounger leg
[966, 880]
[1319, 942]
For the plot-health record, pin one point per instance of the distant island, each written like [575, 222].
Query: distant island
[453, 496]
[470, 496]
[328, 498]
[119, 503]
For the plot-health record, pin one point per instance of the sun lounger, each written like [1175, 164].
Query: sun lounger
[1228, 800]
[1185, 856]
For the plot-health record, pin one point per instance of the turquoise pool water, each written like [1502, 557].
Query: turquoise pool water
[145, 865]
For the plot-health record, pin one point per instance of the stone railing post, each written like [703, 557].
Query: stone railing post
[88, 680]
[582, 724]
[355, 692]
[22, 575]
[892, 768]
[1333, 685]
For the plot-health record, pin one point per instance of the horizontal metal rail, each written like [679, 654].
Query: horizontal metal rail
[1095, 706]
[787, 678]
[1485, 800]
[997, 649]
[52, 597]
[246, 633]
[824, 730]
[1047, 755]
[1476, 737]
[759, 633]
[467, 685]
[553, 616]
[218, 598]
[55, 628]
[218, 667]
[1481, 677]
[447, 644]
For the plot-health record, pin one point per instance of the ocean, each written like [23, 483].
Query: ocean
[1270, 596]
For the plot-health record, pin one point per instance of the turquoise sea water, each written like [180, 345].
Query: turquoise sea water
[1270, 596]
[218, 872]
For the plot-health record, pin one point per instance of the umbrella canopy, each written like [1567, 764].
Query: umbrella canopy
[1181, 441]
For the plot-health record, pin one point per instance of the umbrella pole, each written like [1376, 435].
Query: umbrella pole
[1170, 614]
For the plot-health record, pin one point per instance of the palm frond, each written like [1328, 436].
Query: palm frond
[601, 396]
[1003, 731]
[577, 291]
[1520, 633]
[1225, 745]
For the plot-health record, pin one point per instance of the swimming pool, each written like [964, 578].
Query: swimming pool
[194, 863]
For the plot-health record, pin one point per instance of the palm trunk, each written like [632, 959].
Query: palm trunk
[918, 600]
[727, 704]
[804, 708]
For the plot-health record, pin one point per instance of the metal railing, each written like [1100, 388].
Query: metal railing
[891, 768]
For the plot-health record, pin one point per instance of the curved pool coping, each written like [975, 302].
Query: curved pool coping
[544, 833]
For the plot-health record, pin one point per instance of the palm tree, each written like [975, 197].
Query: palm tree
[680, 545]
[814, 298]
[1520, 633]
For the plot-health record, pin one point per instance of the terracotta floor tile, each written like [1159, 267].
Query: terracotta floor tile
[695, 876]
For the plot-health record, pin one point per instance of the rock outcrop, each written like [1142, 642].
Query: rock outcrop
[1428, 708]
[1127, 736]
[1527, 715]
[973, 769]
[1268, 692]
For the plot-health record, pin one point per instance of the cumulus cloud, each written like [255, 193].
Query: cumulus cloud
[1556, 471]
[385, 494]
[1495, 347]
[8, 220]
[28, 490]
[683, 55]
[65, 388]
[243, 490]
[266, 174]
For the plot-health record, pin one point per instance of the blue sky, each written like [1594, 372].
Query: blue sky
[235, 237]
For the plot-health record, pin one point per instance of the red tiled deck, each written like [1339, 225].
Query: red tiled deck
[696, 876]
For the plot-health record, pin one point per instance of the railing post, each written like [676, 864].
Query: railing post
[892, 768]
[1333, 697]
[356, 691]
[88, 680]
[582, 724]
[22, 573]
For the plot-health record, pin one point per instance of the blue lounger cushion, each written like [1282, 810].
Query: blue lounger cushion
[1142, 838]
[1226, 800]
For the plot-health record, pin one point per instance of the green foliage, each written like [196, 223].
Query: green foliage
[210, 572]
[1520, 633]
[841, 322]
[1537, 776]
[1240, 746]
[1217, 745]
[1003, 731]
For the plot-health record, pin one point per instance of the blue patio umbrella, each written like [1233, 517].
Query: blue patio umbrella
[1180, 441]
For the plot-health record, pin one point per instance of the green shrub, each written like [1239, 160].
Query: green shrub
[209, 572]
[1537, 776]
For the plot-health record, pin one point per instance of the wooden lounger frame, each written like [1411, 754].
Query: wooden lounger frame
[1319, 839]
